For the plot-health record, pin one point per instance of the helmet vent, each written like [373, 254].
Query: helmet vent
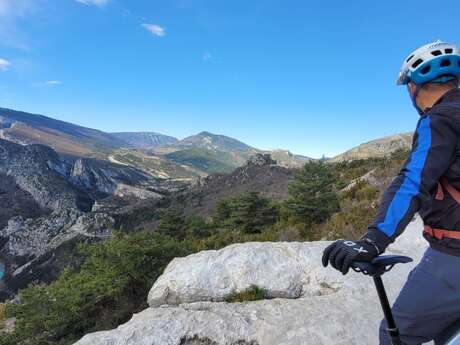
[436, 53]
[445, 63]
[410, 57]
[449, 51]
[426, 70]
[417, 63]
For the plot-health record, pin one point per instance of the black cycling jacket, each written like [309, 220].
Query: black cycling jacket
[435, 154]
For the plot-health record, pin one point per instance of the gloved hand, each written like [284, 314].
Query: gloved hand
[342, 253]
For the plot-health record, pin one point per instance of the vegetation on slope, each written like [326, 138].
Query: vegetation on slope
[209, 161]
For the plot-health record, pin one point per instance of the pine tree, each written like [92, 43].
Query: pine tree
[312, 196]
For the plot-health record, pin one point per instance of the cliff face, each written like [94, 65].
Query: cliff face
[36, 169]
[310, 305]
[47, 208]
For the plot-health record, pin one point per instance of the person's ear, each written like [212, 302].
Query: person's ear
[411, 87]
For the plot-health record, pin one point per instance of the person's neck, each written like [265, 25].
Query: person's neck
[427, 100]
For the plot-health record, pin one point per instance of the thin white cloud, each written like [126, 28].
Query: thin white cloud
[16, 8]
[47, 83]
[155, 29]
[10, 12]
[207, 57]
[53, 82]
[98, 3]
[4, 65]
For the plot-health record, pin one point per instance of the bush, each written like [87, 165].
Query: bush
[361, 191]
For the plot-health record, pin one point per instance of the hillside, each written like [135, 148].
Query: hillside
[64, 137]
[259, 174]
[377, 148]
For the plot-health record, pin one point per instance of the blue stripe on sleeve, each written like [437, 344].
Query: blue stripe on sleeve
[412, 180]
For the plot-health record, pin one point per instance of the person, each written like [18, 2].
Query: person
[428, 183]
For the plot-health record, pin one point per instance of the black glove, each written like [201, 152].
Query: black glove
[342, 253]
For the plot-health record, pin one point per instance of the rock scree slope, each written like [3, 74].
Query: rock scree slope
[310, 305]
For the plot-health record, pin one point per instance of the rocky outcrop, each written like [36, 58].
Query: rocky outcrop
[101, 178]
[311, 305]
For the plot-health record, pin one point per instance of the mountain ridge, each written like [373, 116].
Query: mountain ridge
[159, 155]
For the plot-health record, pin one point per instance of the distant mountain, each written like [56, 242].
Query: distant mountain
[64, 137]
[210, 141]
[214, 153]
[377, 148]
[146, 140]
[209, 153]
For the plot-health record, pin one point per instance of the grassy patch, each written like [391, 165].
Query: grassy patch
[253, 293]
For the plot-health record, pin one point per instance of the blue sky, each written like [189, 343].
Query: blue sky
[314, 77]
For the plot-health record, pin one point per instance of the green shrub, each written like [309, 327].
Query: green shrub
[360, 191]
[351, 223]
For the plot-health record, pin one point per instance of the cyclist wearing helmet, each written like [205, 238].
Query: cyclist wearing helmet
[429, 183]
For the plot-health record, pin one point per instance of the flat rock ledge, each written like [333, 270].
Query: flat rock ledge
[310, 305]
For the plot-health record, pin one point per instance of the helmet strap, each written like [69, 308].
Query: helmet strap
[414, 96]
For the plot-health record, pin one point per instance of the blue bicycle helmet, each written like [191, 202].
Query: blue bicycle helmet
[434, 62]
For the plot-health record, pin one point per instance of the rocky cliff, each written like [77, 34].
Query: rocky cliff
[37, 169]
[48, 208]
[306, 303]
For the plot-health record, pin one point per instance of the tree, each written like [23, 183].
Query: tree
[246, 212]
[312, 198]
[197, 227]
[172, 224]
